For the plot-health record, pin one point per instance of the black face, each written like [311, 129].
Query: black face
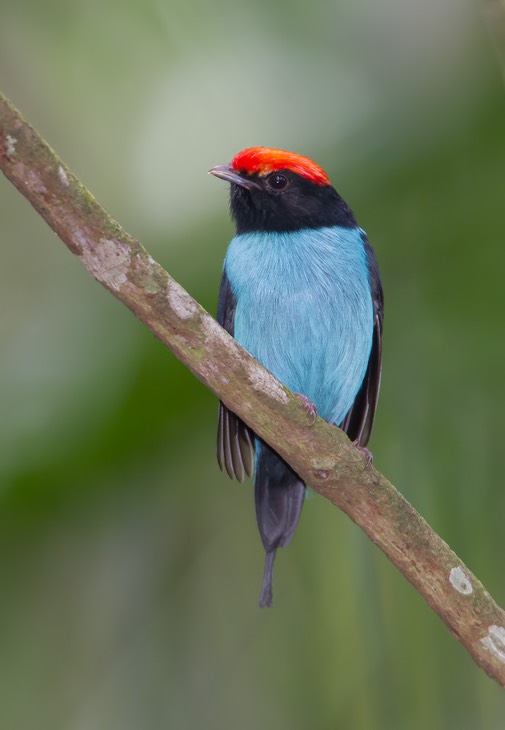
[285, 201]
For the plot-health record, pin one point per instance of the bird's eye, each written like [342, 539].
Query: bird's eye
[277, 182]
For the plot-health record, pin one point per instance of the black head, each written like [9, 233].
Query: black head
[282, 199]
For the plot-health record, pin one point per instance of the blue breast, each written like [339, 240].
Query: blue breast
[304, 309]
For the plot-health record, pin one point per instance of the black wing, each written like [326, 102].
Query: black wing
[235, 441]
[359, 421]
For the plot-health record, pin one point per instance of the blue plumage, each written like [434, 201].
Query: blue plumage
[304, 309]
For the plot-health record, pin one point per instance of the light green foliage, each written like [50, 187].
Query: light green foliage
[129, 565]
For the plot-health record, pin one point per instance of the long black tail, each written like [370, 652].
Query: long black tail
[279, 495]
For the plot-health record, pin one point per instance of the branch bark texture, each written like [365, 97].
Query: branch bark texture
[321, 454]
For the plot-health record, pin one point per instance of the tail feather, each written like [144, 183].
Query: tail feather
[266, 587]
[279, 495]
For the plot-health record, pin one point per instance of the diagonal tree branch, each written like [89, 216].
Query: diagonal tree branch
[321, 454]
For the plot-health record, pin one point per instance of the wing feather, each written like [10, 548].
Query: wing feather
[235, 441]
[358, 423]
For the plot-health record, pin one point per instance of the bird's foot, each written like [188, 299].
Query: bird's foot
[310, 408]
[367, 455]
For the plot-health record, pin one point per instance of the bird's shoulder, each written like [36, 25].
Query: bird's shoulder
[295, 258]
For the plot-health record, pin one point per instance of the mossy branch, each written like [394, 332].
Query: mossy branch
[321, 454]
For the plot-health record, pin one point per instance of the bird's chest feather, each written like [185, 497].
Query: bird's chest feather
[304, 309]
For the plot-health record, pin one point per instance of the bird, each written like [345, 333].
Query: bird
[301, 290]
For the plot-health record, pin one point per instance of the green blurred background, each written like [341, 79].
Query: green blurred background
[129, 565]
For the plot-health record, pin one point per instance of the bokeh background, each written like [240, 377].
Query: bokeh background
[129, 565]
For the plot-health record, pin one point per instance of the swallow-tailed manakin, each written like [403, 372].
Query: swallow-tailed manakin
[301, 290]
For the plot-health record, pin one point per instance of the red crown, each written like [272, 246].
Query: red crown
[263, 160]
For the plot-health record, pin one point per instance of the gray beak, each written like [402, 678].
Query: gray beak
[225, 172]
